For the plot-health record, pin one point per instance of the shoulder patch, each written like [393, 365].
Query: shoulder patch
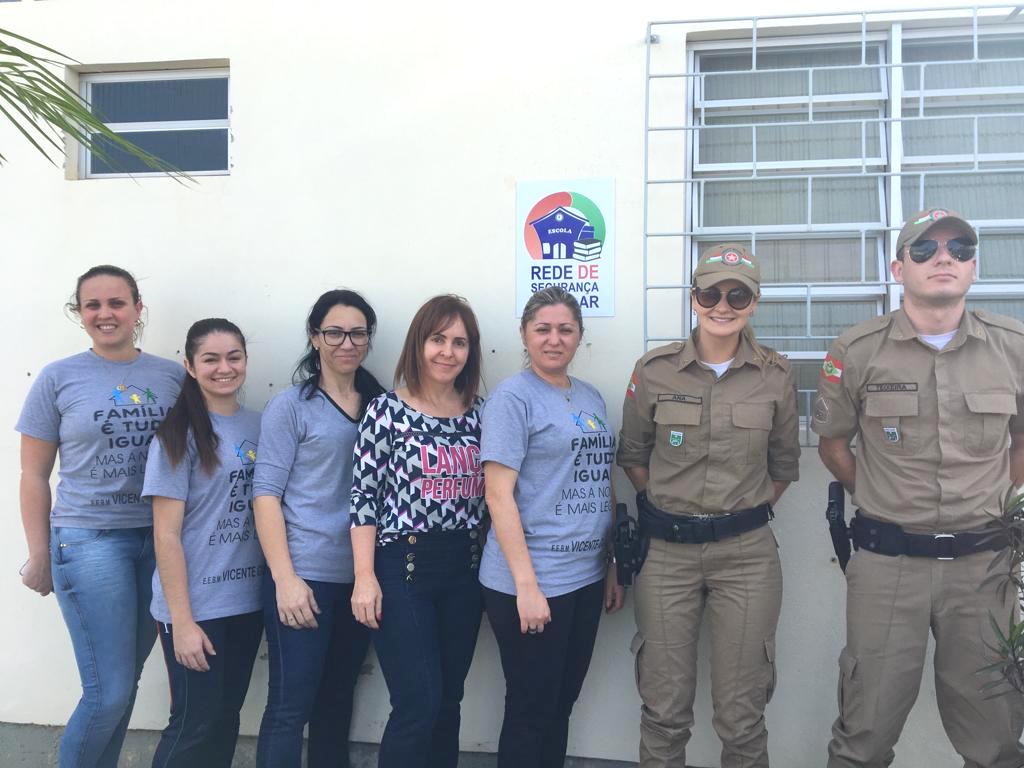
[999, 321]
[663, 351]
[867, 328]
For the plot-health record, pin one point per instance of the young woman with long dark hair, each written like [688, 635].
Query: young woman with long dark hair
[206, 592]
[302, 485]
[92, 545]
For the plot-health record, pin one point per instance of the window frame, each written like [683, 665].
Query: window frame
[86, 81]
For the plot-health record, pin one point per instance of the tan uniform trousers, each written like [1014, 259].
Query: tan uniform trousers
[739, 581]
[891, 603]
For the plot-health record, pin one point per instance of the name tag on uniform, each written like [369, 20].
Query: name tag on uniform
[674, 398]
[892, 434]
[895, 386]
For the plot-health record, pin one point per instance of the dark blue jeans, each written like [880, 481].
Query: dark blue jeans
[103, 582]
[203, 726]
[313, 675]
[431, 617]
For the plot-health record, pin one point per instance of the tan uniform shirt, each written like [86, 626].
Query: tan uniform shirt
[711, 445]
[932, 427]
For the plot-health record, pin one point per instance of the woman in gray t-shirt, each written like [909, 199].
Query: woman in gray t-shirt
[206, 592]
[92, 544]
[548, 450]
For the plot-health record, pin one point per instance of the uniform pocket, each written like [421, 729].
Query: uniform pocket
[988, 421]
[892, 421]
[636, 648]
[679, 428]
[769, 652]
[848, 694]
[752, 423]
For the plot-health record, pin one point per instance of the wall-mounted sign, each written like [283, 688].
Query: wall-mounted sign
[565, 236]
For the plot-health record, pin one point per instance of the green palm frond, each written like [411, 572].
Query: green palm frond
[1007, 650]
[41, 106]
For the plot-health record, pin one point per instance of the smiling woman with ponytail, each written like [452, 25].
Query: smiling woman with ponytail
[199, 478]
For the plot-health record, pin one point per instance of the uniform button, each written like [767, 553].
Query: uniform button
[412, 539]
[475, 558]
[474, 534]
[410, 567]
[474, 548]
[410, 557]
[871, 545]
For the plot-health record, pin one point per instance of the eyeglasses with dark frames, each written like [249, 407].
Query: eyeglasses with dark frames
[959, 248]
[737, 298]
[335, 337]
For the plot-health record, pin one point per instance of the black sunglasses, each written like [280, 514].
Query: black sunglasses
[959, 248]
[738, 298]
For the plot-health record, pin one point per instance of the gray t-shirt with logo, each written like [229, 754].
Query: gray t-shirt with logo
[305, 460]
[218, 535]
[103, 415]
[563, 447]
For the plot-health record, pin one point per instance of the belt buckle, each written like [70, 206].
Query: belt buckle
[944, 547]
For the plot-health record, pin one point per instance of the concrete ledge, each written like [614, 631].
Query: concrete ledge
[35, 746]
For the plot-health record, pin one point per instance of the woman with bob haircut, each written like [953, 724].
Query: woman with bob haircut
[199, 478]
[417, 504]
[302, 485]
[547, 451]
[93, 544]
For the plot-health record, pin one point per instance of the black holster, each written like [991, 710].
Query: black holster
[630, 547]
[835, 513]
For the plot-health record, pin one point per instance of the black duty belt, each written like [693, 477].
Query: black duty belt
[890, 539]
[698, 529]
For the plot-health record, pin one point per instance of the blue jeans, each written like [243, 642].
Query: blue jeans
[203, 727]
[313, 674]
[431, 617]
[103, 582]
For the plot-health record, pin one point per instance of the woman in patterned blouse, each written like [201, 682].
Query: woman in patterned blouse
[417, 501]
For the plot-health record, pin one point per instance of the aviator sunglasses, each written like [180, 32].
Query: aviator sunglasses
[738, 298]
[960, 249]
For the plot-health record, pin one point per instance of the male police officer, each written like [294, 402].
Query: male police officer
[931, 391]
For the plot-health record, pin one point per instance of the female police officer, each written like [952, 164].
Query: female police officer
[710, 441]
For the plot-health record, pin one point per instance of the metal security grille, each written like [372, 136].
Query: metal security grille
[811, 139]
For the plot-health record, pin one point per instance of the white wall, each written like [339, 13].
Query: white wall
[376, 146]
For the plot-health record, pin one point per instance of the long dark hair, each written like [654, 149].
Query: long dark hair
[436, 315]
[308, 369]
[189, 413]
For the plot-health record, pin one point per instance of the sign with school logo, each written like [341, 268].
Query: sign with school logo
[675, 439]
[565, 236]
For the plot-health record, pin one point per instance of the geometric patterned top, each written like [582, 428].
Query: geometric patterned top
[415, 472]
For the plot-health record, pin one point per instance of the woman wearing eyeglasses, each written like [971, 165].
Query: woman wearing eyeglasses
[301, 487]
[710, 442]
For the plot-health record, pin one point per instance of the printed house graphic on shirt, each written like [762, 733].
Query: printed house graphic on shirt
[566, 235]
[246, 452]
[589, 423]
[131, 395]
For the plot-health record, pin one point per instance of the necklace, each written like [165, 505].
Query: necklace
[568, 393]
